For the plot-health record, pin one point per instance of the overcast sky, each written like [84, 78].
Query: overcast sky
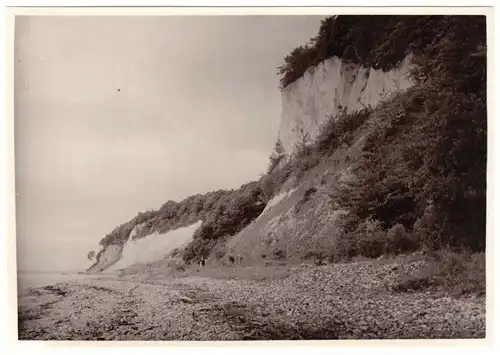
[116, 115]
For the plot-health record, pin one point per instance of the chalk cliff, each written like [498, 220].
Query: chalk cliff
[332, 88]
[384, 151]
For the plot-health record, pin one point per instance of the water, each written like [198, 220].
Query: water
[26, 280]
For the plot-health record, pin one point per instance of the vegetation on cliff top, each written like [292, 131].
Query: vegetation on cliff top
[421, 182]
[377, 41]
[426, 166]
[223, 212]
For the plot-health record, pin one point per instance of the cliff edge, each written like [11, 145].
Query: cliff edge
[381, 150]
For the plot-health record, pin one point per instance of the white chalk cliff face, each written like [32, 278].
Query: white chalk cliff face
[333, 87]
[150, 248]
[153, 247]
[329, 89]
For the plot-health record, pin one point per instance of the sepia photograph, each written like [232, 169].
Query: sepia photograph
[243, 177]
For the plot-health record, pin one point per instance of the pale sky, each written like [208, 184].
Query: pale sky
[198, 110]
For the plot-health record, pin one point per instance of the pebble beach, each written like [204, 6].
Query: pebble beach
[339, 301]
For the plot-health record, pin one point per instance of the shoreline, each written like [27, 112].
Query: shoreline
[338, 301]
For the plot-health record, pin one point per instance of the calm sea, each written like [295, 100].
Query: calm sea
[27, 280]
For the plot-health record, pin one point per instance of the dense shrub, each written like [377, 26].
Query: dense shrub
[91, 255]
[227, 217]
[269, 185]
[224, 213]
[220, 253]
[209, 207]
[379, 41]
[336, 131]
[421, 181]
[456, 272]
[277, 156]
[340, 130]
[424, 167]
[369, 239]
[400, 240]
[319, 255]
[272, 182]
[121, 233]
[176, 264]
[308, 193]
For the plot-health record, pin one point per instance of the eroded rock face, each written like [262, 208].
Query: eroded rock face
[107, 257]
[154, 247]
[331, 88]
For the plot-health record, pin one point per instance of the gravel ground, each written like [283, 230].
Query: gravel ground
[341, 301]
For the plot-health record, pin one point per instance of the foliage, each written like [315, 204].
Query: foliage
[277, 155]
[336, 131]
[458, 272]
[421, 181]
[227, 217]
[219, 208]
[424, 167]
[272, 182]
[121, 233]
[340, 130]
[380, 41]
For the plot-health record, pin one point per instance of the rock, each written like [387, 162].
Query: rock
[186, 299]
[352, 300]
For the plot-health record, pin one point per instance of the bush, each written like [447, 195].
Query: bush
[271, 183]
[220, 251]
[380, 41]
[368, 238]
[177, 264]
[399, 240]
[420, 282]
[277, 155]
[424, 166]
[319, 256]
[224, 213]
[339, 130]
[306, 197]
[421, 181]
[307, 154]
[91, 255]
[227, 217]
[426, 230]
[175, 252]
[456, 272]
[302, 147]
